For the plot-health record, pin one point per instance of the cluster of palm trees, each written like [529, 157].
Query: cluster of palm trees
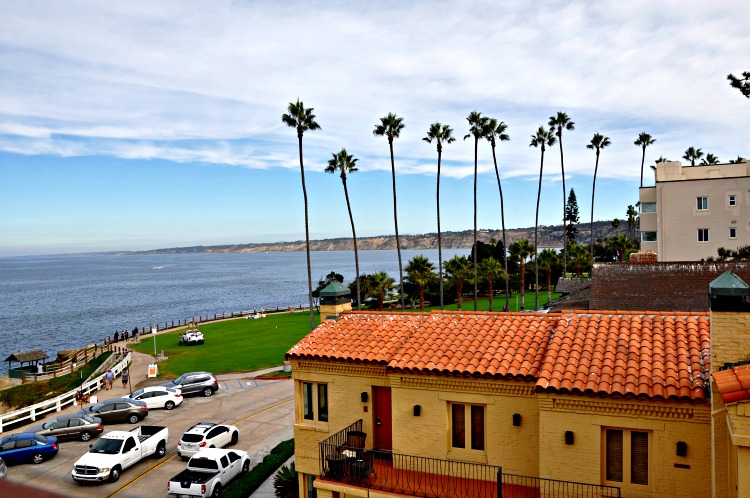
[480, 128]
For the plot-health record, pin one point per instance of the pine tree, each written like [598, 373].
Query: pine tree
[571, 217]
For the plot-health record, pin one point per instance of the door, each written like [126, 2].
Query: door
[382, 421]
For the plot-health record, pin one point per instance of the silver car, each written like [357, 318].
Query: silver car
[195, 383]
[82, 427]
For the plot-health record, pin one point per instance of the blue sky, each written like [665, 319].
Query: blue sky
[142, 125]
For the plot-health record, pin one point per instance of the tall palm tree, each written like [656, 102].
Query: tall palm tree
[490, 270]
[477, 125]
[616, 225]
[709, 160]
[441, 134]
[521, 250]
[643, 141]
[303, 119]
[390, 126]
[381, 285]
[420, 272]
[459, 268]
[542, 139]
[548, 258]
[558, 123]
[739, 160]
[692, 154]
[598, 142]
[493, 132]
[580, 257]
[345, 163]
[620, 245]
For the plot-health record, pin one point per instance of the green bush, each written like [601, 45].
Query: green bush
[246, 484]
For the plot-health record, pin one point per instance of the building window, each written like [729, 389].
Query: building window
[626, 456]
[732, 200]
[474, 426]
[648, 207]
[648, 236]
[702, 203]
[310, 402]
[703, 235]
[732, 233]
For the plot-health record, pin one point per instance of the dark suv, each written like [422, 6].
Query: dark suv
[117, 410]
[195, 383]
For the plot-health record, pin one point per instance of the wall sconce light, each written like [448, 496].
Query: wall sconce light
[681, 448]
[417, 410]
[516, 419]
[363, 396]
[569, 437]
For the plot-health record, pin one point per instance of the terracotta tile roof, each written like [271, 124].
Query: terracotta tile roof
[629, 354]
[612, 353]
[733, 384]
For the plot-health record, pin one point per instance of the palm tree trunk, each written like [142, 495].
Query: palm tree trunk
[354, 237]
[440, 241]
[505, 245]
[593, 188]
[489, 285]
[459, 293]
[549, 284]
[643, 159]
[307, 235]
[523, 284]
[565, 221]
[421, 298]
[536, 235]
[474, 251]
[395, 223]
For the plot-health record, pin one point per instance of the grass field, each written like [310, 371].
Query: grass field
[242, 345]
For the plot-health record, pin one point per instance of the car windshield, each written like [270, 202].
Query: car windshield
[137, 393]
[192, 438]
[98, 406]
[107, 446]
[49, 424]
[179, 380]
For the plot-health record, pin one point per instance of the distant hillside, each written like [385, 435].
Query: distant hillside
[549, 236]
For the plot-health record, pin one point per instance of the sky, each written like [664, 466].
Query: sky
[142, 125]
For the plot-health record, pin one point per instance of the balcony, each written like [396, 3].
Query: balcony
[354, 467]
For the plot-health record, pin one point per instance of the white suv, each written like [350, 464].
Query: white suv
[206, 435]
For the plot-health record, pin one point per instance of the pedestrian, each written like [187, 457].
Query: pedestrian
[79, 398]
[125, 377]
[117, 336]
[109, 376]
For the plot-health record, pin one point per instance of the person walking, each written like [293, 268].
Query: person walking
[109, 377]
[125, 377]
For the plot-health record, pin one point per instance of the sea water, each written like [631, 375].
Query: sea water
[64, 302]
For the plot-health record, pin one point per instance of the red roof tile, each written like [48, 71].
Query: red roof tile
[604, 353]
[733, 384]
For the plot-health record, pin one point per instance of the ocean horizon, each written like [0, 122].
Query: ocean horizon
[65, 302]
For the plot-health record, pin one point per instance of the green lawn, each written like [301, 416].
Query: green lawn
[242, 345]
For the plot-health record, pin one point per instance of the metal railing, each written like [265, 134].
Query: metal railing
[56, 404]
[517, 486]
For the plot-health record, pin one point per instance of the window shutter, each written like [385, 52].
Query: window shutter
[614, 455]
[639, 457]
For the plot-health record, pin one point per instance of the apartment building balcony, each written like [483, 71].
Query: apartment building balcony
[350, 468]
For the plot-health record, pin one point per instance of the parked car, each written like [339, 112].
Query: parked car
[74, 426]
[117, 410]
[158, 397]
[191, 337]
[209, 471]
[117, 450]
[195, 383]
[206, 435]
[27, 447]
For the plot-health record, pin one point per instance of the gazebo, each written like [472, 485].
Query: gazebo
[335, 298]
[29, 361]
[728, 292]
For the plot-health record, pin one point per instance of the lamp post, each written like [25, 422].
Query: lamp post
[153, 331]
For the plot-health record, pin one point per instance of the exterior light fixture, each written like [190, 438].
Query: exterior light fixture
[363, 396]
[417, 410]
[681, 448]
[516, 419]
[569, 437]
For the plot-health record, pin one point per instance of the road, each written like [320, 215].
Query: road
[262, 410]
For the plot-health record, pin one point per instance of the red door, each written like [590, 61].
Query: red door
[382, 420]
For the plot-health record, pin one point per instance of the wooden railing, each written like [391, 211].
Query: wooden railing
[53, 370]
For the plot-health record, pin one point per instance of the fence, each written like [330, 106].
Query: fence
[52, 370]
[56, 404]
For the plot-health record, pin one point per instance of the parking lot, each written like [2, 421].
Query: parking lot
[262, 410]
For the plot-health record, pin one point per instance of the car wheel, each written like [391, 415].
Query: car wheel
[169, 405]
[235, 438]
[85, 436]
[246, 467]
[37, 458]
[161, 450]
[208, 392]
[114, 475]
[133, 419]
[217, 491]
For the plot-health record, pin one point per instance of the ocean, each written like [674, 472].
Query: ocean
[64, 302]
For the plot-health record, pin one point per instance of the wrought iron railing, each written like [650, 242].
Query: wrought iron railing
[428, 477]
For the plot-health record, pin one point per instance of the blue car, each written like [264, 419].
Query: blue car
[27, 447]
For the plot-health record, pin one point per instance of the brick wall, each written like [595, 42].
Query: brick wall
[658, 286]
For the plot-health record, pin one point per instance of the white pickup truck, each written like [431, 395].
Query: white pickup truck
[117, 450]
[191, 337]
[209, 471]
